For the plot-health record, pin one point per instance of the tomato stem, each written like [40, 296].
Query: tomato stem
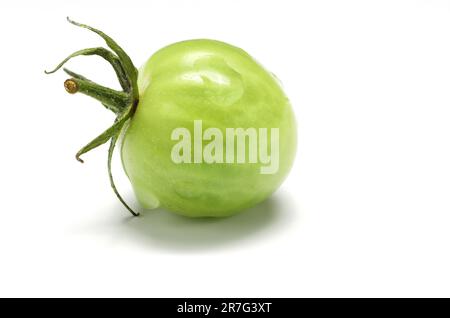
[113, 100]
[122, 103]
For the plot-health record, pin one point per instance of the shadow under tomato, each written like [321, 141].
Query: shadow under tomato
[168, 230]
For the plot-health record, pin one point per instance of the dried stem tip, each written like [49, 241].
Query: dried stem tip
[71, 86]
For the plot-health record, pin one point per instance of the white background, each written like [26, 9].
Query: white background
[364, 212]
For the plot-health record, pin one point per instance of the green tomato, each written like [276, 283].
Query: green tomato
[224, 87]
[206, 102]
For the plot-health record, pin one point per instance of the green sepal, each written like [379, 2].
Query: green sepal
[105, 54]
[130, 69]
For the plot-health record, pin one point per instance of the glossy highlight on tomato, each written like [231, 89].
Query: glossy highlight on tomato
[193, 82]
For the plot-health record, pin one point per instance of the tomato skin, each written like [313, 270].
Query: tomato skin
[225, 88]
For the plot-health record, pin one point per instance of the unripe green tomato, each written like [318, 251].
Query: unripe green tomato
[223, 87]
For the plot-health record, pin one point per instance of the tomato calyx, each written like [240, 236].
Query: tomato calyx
[122, 103]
